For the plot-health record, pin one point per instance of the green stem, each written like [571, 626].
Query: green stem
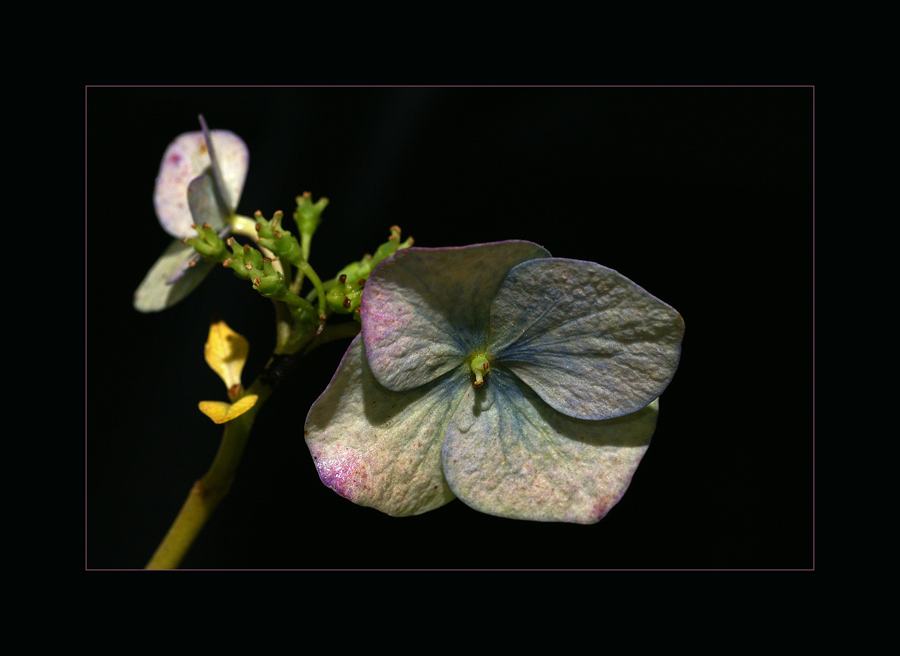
[284, 326]
[317, 283]
[207, 492]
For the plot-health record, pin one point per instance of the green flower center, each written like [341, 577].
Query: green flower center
[480, 367]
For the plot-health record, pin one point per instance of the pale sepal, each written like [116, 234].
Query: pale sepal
[589, 341]
[156, 293]
[380, 448]
[424, 310]
[507, 453]
[186, 158]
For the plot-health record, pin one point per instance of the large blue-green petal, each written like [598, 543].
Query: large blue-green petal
[380, 448]
[426, 309]
[508, 453]
[590, 342]
[157, 291]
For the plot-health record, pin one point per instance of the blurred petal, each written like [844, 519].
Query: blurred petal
[202, 202]
[589, 341]
[226, 352]
[155, 293]
[508, 453]
[425, 309]
[235, 159]
[221, 412]
[185, 159]
[379, 448]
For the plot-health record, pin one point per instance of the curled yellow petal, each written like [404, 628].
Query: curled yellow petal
[226, 352]
[220, 412]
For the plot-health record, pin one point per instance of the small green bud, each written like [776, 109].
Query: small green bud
[245, 261]
[345, 296]
[308, 214]
[271, 282]
[207, 243]
[480, 366]
[253, 259]
[276, 238]
[236, 261]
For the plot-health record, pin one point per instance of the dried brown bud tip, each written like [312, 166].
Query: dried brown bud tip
[347, 303]
[343, 278]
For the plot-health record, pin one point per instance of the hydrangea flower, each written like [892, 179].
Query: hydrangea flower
[200, 180]
[525, 385]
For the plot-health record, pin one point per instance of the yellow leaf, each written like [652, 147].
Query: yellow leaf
[226, 352]
[220, 412]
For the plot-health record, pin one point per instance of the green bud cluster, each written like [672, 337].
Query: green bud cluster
[344, 293]
[276, 264]
[249, 264]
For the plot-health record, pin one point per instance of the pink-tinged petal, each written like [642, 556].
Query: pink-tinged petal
[590, 342]
[424, 310]
[379, 448]
[171, 278]
[186, 158]
[508, 453]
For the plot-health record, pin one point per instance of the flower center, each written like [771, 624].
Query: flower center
[480, 367]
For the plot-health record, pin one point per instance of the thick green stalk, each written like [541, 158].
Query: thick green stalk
[207, 492]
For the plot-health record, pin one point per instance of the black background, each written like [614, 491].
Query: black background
[703, 196]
